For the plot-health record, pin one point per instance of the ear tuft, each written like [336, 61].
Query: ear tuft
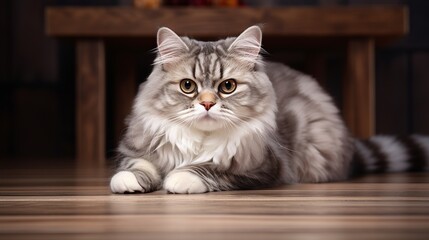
[248, 45]
[170, 46]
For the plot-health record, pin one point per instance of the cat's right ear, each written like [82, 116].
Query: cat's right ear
[170, 46]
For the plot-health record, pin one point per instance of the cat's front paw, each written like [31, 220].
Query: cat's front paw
[125, 181]
[184, 182]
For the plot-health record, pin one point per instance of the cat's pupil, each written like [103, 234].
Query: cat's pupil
[228, 85]
[188, 84]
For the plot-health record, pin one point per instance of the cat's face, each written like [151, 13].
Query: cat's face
[210, 85]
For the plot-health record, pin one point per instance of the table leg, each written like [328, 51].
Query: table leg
[359, 88]
[90, 103]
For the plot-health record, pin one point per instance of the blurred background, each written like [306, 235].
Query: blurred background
[37, 76]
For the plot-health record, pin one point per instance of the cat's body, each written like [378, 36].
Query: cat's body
[213, 116]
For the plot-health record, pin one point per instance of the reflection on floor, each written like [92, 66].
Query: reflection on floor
[69, 204]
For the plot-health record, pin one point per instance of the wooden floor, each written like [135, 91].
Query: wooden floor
[66, 204]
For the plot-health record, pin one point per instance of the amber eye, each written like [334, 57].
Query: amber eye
[188, 86]
[228, 86]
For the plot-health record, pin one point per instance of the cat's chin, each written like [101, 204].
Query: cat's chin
[208, 124]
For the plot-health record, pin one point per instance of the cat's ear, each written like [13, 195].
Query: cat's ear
[248, 45]
[170, 46]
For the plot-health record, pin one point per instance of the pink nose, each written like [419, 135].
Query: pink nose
[207, 105]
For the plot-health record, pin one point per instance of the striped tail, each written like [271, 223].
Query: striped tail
[391, 154]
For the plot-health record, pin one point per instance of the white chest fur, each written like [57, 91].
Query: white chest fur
[183, 146]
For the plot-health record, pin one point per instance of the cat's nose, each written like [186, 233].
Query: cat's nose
[207, 105]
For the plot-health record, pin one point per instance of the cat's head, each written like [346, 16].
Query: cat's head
[210, 85]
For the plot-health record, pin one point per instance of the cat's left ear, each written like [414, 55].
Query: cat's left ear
[170, 46]
[248, 45]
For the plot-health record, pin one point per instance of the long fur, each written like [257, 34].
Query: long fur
[278, 126]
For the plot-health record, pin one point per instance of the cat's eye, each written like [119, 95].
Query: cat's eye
[188, 86]
[228, 86]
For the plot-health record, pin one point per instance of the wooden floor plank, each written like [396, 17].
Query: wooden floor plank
[69, 204]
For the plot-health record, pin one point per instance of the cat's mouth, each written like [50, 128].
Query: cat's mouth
[208, 122]
[207, 116]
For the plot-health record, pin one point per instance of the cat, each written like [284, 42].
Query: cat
[214, 116]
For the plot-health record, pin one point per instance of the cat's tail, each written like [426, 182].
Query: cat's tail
[391, 154]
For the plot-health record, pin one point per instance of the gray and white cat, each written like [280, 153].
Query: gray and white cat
[215, 116]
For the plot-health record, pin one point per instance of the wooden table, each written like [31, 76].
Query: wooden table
[360, 27]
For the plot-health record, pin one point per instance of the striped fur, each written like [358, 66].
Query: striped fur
[142, 174]
[278, 126]
[391, 154]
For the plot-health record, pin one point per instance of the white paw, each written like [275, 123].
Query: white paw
[184, 182]
[125, 181]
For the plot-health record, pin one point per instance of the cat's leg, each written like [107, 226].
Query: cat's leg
[136, 175]
[183, 181]
[202, 178]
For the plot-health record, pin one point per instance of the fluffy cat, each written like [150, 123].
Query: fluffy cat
[215, 116]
